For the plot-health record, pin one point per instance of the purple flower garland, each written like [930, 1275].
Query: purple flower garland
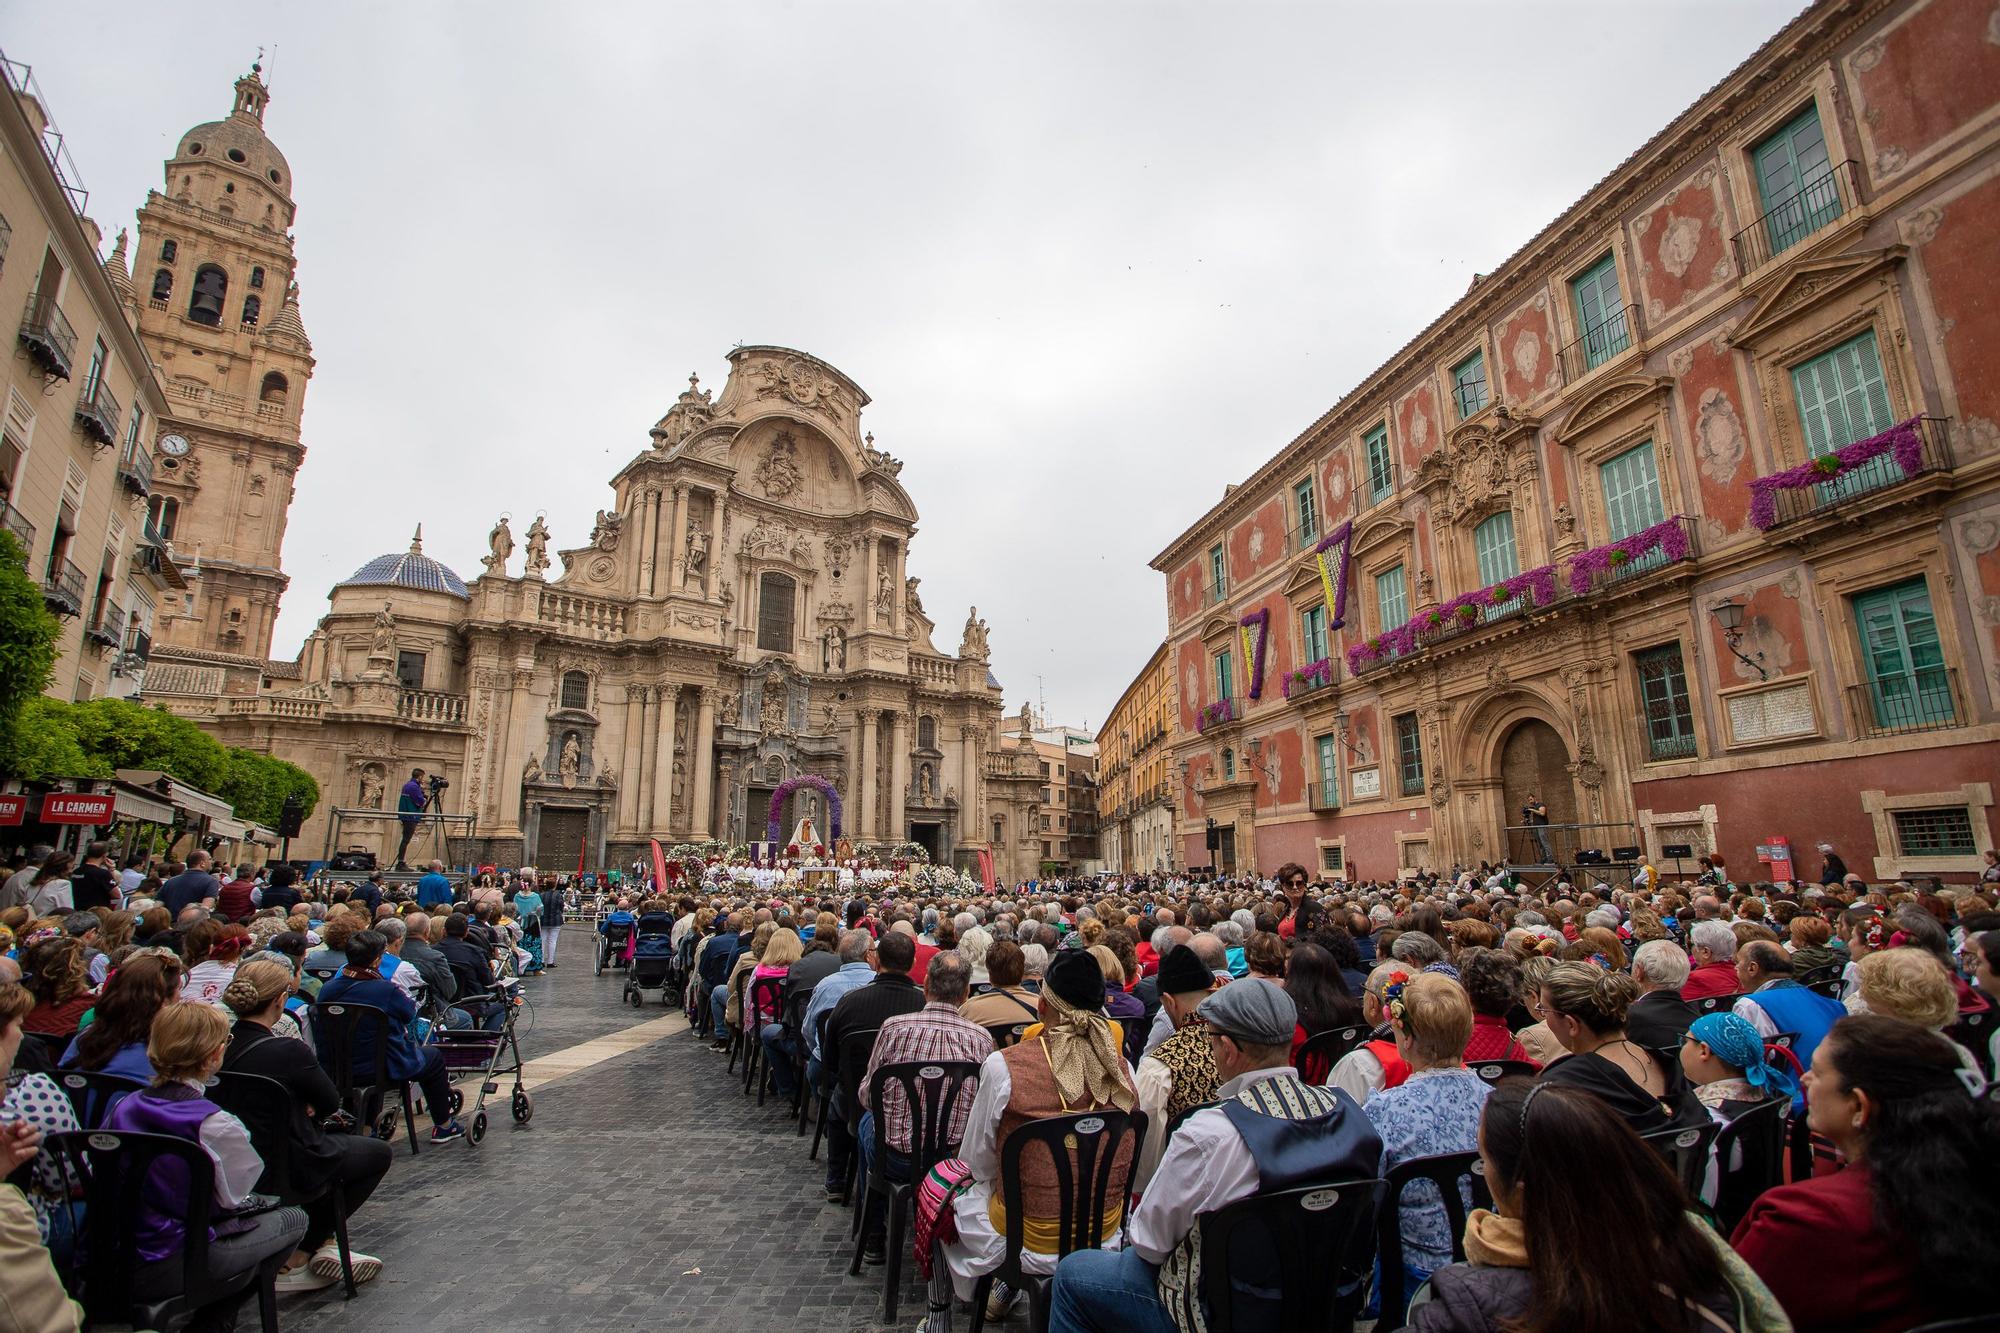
[1261, 622]
[1312, 674]
[1334, 583]
[1222, 710]
[784, 791]
[1669, 537]
[1904, 439]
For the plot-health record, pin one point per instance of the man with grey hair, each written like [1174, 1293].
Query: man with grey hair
[1034, 962]
[1029, 932]
[1659, 1018]
[1713, 945]
[1417, 949]
[855, 970]
[432, 967]
[395, 934]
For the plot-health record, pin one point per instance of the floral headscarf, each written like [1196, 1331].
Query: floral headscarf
[1738, 1045]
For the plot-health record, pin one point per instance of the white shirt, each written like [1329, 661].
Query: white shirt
[129, 879]
[1753, 1013]
[1163, 1027]
[50, 897]
[1207, 1166]
[1359, 1074]
[15, 891]
[237, 1165]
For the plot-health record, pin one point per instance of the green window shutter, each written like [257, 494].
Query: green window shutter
[1312, 633]
[1392, 600]
[1468, 385]
[1664, 696]
[1907, 680]
[1493, 542]
[1794, 182]
[1225, 686]
[1218, 574]
[1381, 477]
[1842, 397]
[1329, 773]
[1308, 512]
[1631, 484]
[1410, 754]
[1600, 313]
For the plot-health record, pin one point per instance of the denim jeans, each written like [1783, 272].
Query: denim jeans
[719, 1005]
[896, 1168]
[1115, 1291]
[780, 1056]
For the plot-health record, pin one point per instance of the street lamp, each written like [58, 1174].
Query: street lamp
[1340, 730]
[1728, 614]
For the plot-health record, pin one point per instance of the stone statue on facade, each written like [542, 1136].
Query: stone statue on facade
[604, 535]
[384, 645]
[500, 543]
[538, 548]
[910, 598]
[885, 595]
[973, 644]
[371, 788]
[729, 709]
[1565, 521]
[833, 649]
[697, 553]
[570, 763]
[774, 704]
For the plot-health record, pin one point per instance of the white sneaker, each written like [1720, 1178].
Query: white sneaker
[303, 1278]
[326, 1263]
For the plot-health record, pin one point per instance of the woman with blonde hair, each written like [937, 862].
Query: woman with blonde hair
[1536, 1038]
[187, 1045]
[1585, 1008]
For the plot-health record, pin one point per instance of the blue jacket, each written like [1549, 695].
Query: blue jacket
[405, 1060]
[433, 890]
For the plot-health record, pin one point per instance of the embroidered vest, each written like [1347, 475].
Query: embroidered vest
[1187, 1057]
[1296, 1133]
[1033, 1095]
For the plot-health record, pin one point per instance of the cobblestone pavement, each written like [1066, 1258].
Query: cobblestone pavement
[633, 1174]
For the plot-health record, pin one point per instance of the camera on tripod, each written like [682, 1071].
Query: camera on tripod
[438, 784]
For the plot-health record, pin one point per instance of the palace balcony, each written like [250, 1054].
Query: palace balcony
[47, 335]
[1823, 200]
[98, 412]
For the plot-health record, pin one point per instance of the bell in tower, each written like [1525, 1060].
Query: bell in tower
[211, 285]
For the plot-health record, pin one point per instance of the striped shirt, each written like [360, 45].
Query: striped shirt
[934, 1032]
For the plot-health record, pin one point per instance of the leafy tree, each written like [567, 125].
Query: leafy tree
[28, 638]
[46, 744]
[128, 735]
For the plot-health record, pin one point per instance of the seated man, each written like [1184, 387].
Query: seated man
[477, 990]
[934, 1032]
[1375, 1064]
[1178, 1075]
[1773, 1002]
[715, 961]
[361, 982]
[1269, 1132]
[1068, 1063]
[1005, 1000]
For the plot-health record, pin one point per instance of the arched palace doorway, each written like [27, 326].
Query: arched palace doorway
[1535, 762]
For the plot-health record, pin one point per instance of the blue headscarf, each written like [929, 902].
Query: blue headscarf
[1737, 1044]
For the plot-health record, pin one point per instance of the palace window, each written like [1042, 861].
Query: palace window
[1631, 486]
[1493, 545]
[1908, 685]
[576, 690]
[1842, 398]
[1312, 633]
[1218, 574]
[775, 593]
[1468, 384]
[1663, 694]
[257, 278]
[1225, 677]
[1600, 313]
[1946, 831]
[410, 670]
[1410, 754]
[1308, 512]
[1229, 765]
[1381, 474]
[163, 515]
[1795, 182]
[1392, 599]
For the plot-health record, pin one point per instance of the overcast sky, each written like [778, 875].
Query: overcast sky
[1092, 261]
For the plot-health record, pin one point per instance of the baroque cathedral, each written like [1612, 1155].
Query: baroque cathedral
[742, 615]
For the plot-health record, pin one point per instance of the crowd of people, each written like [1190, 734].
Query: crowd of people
[1275, 1034]
[155, 979]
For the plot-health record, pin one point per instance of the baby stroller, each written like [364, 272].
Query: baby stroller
[611, 945]
[652, 969]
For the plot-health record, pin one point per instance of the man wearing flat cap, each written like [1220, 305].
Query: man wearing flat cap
[1267, 1132]
[1177, 1075]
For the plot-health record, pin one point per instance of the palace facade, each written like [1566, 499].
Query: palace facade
[1684, 520]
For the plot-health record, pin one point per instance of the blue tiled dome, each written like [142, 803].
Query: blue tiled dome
[407, 569]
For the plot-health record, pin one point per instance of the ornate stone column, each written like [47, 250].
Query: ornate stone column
[899, 775]
[647, 522]
[715, 523]
[870, 552]
[973, 766]
[676, 561]
[642, 762]
[702, 771]
[856, 816]
[629, 782]
[865, 804]
[521, 718]
[663, 761]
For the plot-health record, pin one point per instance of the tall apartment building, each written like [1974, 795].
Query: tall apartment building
[1684, 519]
[1135, 753]
[83, 406]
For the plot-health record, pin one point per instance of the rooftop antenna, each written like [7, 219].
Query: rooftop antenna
[1041, 700]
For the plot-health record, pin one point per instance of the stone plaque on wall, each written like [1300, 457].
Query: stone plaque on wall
[1773, 714]
[1366, 782]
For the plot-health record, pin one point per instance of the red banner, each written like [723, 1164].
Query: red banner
[986, 868]
[69, 808]
[660, 872]
[13, 809]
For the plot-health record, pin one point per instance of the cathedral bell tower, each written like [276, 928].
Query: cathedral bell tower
[214, 270]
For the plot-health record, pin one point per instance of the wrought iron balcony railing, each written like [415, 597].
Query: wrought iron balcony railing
[98, 412]
[1600, 344]
[1880, 473]
[1819, 202]
[1925, 699]
[17, 523]
[48, 337]
[62, 590]
[135, 472]
[107, 628]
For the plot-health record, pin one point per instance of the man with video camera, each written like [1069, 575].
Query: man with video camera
[410, 807]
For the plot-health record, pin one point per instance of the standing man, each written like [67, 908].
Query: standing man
[93, 884]
[192, 887]
[1536, 816]
[133, 875]
[434, 890]
[410, 808]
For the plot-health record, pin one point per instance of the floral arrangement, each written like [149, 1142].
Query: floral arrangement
[912, 852]
[1261, 622]
[1392, 993]
[1904, 440]
[784, 791]
[1333, 582]
[1668, 537]
[1311, 676]
[1215, 714]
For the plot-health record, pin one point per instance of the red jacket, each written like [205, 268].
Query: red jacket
[232, 900]
[1711, 979]
[1820, 1250]
[1491, 1040]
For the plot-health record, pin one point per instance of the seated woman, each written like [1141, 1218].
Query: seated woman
[1126, 1010]
[1585, 1008]
[115, 1041]
[1492, 981]
[1536, 1039]
[186, 1048]
[36, 1099]
[782, 950]
[1923, 1158]
[1069, 1063]
[57, 975]
[1723, 1058]
[212, 949]
[1435, 1110]
[361, 982]
[1549, 1150]
[1319, 990]
[316, 1160]
[1912, 985]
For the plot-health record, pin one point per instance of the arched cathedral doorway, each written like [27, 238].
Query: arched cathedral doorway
[1535, 762]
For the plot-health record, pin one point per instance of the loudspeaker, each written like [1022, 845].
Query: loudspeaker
[290, 817]
[1624, 854]
[1590, 856]
[1676, 851]
[1214, 839]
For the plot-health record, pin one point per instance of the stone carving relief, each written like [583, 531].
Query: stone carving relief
[836, 613]
[384, 643]
[1470, 471]
[604, 533]
[1565, 521]
[879, 459]
[373, 785]
[694, 409]
[1921, 227]
[1719, 441]
[774, 704]
[1527, 355]
[885, 596]
[729, 708]
[683, 731]
[837, 549]
[910, 598]
[1980, 533]
[1679, 244]
[799, 381]
[778, 474]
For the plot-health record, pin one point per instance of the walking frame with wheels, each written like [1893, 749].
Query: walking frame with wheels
[488, 1056]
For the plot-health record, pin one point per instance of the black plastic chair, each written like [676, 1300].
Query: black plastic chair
[1003, 1034]
[738, 989]
[1323, 1050]
[1716, 1004]
[1316, 1238]
[114, 1170]
[92, 1093]
[1492, 1071]
[1084, 1150]
[853, 1051]
[1685, 1151]
[794, 1023]
[322, 974]
[1823, 980]
[1760, 1133]
[1444, 1171]
[823, 1091]
[765, 994]
[1975, 1033]
[270, 1112]
[931, 1089]
[335, 1027]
